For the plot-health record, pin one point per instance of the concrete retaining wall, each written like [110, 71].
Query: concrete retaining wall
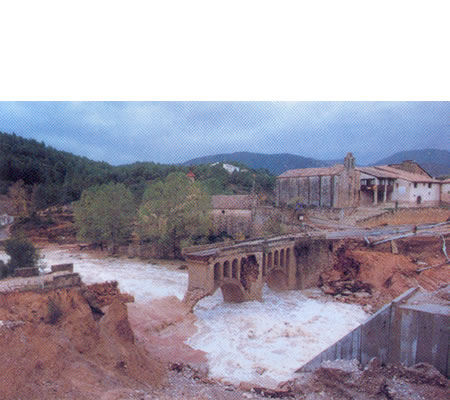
[62, 267]
[54, 280]
[421, 334]
[26, 272]
[397, 333]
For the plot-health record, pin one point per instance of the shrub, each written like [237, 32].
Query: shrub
[22, 254]
[54, 312]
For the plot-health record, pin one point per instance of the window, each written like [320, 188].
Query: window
[415, 184]
[430, 185]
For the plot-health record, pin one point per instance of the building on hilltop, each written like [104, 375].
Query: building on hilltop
[191, 176]
[406, 185]
[329, 187]
[227, 167]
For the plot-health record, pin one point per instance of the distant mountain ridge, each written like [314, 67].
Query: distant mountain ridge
[275, 163]
[435, 162]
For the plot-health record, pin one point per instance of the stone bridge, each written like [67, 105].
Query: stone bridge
[241, 269]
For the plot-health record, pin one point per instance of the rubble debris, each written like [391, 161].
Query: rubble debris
[345, 379]
[103, 294]
[249, 272]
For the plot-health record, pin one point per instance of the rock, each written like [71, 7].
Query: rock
[251, 334]
[367, 308]
[260, 370]
[328, 290]
[246, 386]
[374, 364]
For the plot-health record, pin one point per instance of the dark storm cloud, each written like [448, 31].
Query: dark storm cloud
[123, 132]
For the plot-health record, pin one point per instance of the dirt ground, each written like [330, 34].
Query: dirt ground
[413, 216]
[374, 276]
[55, 347]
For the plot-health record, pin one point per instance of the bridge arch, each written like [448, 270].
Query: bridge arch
[234, 269]
[232, 291]
[277, 279]
[217, 272]
[226, 269]
[282, 258]
[269, 260]
[275, 258]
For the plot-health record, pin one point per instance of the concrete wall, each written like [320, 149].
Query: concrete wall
[42, 283]
[62, 267]
[421, 334]
[26, 272]
[396, 334]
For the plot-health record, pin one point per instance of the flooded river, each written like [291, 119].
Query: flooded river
[262, 342]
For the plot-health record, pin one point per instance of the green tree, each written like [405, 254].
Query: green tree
[20, 199]
[22, 254]
[174, 212]
[105, 214]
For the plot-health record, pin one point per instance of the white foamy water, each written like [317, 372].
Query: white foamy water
[143, 280]
[267, 341]
[262, 342]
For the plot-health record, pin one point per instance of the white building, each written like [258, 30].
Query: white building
[445, 191]
[389, 184]
[228, 167]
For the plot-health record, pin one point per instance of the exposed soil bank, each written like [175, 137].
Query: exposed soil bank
[375, 276]
[54, 347]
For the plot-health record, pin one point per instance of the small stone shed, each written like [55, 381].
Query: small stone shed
[234, 213]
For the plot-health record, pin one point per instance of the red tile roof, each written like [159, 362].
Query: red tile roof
[234, 202]
[385, 171]
[303, 172]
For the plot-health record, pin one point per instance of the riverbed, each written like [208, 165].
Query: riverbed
[262, 342]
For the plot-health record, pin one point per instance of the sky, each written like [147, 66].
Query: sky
[174, 132]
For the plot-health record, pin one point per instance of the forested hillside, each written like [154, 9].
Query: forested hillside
[54, 177]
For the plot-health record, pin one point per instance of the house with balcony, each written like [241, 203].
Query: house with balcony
[395, 184]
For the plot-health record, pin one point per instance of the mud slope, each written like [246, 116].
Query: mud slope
[54, 346]
[375, 276]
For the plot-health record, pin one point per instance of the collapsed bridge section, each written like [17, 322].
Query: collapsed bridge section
[241, 269]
